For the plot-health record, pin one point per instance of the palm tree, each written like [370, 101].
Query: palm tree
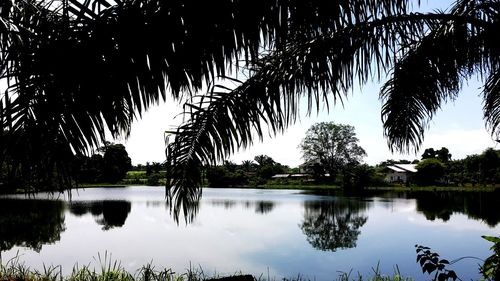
[247, 165]
[78, 67]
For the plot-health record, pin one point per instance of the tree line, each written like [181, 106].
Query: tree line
[332, 156]
[108, 164]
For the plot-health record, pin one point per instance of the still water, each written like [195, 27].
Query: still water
[280, 233]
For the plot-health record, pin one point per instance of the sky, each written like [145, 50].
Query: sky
[459, 126]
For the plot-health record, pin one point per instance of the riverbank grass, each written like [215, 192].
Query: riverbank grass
[108, 270]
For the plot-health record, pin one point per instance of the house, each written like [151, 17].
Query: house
[400, 173]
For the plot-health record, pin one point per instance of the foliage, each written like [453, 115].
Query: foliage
[220, 176]
[116, 163]
[333, 224]
[333, 146]
[110, 270]
[491, 267]
[475, 169]
[430, 263]
[430, 171]
[364, 176]
[442, 154]
[248, 173]
[111, 167]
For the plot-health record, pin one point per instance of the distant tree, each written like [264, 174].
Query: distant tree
[334, 146]
[263, 160]
[91, 169]
[429, 153]
[247, 165]
[472, 169]
[219, 176]
[267, 171]
[430, 171]
[489, 166]
[230, 166]
[363, 176]
[116, 163]
[267, 167]
[443, 154]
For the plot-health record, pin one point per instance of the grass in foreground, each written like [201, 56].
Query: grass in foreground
[14, 270]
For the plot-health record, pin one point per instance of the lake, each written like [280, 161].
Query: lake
[276, 233]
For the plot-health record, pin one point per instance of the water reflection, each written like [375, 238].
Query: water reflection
[333, 224]
[108, 213]
[30, 223]
[264, 207]
[260, 207]
[476, 205]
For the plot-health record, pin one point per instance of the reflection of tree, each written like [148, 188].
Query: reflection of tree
[260, 207]
[264, 207]
[227, 204]
[108, 213]
[476, 205]
[333, 224]
[30, 223]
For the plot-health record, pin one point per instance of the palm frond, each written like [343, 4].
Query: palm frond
[491, 105]
[431, 72]
[320, 70]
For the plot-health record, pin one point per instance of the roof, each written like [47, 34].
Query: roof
[408, 167]
[280, 176]
[396, 169]
[403, 168]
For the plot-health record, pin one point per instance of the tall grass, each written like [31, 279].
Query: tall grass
[109, 270]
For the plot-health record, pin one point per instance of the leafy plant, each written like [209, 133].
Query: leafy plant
[491, 269]
[430, 262]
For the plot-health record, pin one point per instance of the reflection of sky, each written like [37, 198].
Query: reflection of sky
[229, 239]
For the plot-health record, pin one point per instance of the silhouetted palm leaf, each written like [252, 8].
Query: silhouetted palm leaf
[431, 72]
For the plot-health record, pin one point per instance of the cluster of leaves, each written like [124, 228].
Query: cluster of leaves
[110, 167]
[481, 169]
[248, 173]
[491, 266]
[153, 173]
[430, 262]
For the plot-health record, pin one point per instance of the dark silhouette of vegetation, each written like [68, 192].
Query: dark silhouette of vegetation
[110, 167]
[430, 263]
[491, 266]
[430, 171]
[30, 223]
[481, 169]
[333, 224]
[247, 174]
[108, 213]
[442, 154]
